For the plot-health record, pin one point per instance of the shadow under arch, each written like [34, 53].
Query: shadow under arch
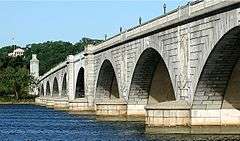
[151, 82]
[64, 85]
[107, 85]
[219, 83]
[80, 92]
[41, 90]
[55, 88]
[48, 92]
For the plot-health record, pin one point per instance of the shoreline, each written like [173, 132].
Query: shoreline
[17, 103]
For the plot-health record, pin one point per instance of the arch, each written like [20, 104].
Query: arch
[151, 82]
[55, 88]
[48, 92]
[218, 85]
[80, 93]
[64, 85]
[107, 85]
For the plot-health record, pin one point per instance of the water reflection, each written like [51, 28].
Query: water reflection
[29, 122]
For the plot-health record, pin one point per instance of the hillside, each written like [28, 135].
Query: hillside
[49, 53]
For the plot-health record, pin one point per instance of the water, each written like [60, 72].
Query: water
[30, 123]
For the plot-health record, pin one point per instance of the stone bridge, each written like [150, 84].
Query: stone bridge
[181, 68]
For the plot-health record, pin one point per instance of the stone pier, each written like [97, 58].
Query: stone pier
[61, 103]
[111, 108]
[136, 110]
[50, 102]
[218, 117]
[79, 105]
[174, 113]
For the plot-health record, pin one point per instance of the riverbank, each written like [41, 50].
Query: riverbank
[17, 103]
[11, 100]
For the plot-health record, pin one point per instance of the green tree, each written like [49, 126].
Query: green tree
[15, 81]
[52, 53]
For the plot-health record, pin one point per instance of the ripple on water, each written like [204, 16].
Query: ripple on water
[30, 122]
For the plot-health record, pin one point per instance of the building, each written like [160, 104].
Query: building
[16, 52]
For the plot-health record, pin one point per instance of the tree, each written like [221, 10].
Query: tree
[15, 81]
[51, 53]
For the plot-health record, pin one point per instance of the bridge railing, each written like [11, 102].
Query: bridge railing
[182, 13]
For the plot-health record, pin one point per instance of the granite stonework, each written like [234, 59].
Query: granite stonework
[173, 113]
[136, 109]
[225, 117]
[79, 104]
[111, 108]
[61, 103]
[50, 102]
[178, 69]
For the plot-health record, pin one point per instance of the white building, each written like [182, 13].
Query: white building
[16, 52]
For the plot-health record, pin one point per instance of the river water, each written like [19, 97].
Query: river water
[30, 123]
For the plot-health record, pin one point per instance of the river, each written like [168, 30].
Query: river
[30, 123]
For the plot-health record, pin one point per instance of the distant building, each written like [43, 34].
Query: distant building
[16, 52]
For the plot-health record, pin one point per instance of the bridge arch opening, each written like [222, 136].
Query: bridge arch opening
[48, 92]
[64, 85]
[151, 82]
[42, 90]
[219, 83]
[55, 92]
[107, 86]
[80, 93]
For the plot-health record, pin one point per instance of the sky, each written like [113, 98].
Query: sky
[26, 22]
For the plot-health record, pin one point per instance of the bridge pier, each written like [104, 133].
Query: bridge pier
[40, 101]
[79, 105]
[173, 113]
[61, 103]
[50, 102]
[71, 76]
[135, 109]
[111, 108]
[215, 117]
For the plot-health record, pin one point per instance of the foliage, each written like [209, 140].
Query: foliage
[52, 53]
[15, 81]
[14, 75]
[7, 49]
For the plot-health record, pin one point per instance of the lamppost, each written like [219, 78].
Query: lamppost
[164, 8]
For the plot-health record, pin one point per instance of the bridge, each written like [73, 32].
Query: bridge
[181, 68]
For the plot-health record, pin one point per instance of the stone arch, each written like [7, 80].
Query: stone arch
[80, 92]
[48, 91]
[55, 90]
[218, 85]
[151, 82]
[107, 85]
[64, 85]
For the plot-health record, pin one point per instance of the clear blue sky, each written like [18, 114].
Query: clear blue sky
[38, 21]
